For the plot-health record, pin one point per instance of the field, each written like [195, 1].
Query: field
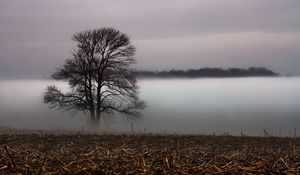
[147, 154]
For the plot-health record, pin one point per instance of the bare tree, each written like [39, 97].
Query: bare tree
[100, 76]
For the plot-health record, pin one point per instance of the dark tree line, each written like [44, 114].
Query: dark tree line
[209, 72]
[100, 76]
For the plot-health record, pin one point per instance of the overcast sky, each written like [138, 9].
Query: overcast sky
[35, 35]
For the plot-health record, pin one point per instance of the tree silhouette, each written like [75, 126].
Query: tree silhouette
[99, 75]
[210, 72]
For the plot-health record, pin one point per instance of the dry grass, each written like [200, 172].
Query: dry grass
[147, 154]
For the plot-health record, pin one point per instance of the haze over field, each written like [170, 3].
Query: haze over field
[35, 35]
[198, 106]
[203, 38]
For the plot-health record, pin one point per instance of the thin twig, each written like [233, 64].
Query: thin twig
[285, 163]
[132, 128]
[12, 160]
[41, 167]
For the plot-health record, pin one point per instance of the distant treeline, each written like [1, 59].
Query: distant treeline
[209, 72]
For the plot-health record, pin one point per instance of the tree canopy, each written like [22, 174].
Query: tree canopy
[210, 72]
[100, 76]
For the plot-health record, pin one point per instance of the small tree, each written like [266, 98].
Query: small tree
[99, 75]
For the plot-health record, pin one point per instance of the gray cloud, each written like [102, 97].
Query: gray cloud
[35, 35]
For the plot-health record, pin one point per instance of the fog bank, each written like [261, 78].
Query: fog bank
[194, 106]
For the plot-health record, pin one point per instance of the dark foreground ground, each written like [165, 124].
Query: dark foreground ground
[147, 154]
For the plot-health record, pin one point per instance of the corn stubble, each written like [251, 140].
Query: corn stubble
[147, 154]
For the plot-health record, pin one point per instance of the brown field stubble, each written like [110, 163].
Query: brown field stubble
[147, 154]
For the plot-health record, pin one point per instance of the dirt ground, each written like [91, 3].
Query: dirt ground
[147, 154]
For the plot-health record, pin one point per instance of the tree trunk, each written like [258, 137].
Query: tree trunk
[94, 121]
[98, 117]
[92, 113]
